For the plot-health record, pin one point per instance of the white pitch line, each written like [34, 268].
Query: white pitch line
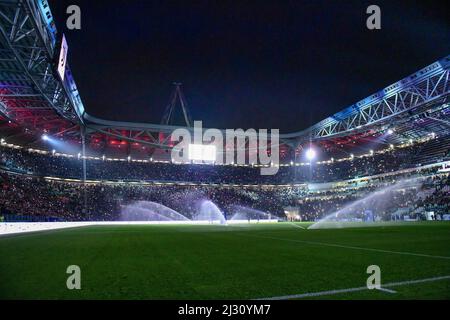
[387, 290]
[333, 292]
[297, 226]
[354, 248]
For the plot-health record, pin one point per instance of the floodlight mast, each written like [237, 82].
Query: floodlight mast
[83, 159]
[177, 95]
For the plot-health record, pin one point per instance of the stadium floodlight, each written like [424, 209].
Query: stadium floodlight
[390, 131]
[53, 151]
[352, 155]
[2, 141]
[45, 137]
[310, 154]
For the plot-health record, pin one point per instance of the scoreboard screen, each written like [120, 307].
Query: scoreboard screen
[62, 58]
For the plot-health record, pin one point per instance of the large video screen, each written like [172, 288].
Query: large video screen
[202, 153]
[62, 59]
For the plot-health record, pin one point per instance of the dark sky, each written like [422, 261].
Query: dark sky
[250, 64]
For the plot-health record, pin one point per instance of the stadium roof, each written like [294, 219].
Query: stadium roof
[35, 100]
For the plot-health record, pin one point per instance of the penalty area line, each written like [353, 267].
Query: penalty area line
[348, 290]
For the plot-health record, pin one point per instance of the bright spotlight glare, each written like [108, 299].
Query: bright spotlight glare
[390, 131]
[44, 137]
[310, 154]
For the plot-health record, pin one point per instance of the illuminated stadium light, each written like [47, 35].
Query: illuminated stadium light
[200, 152]
[352, 156]
[391, 146]
[53, 151]
[371, 152]
[390, 131]
[103, 157]
[79, 155]
[310, 154]
[2, 141]
[45, 137]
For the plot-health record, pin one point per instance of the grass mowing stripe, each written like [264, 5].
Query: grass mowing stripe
[351, 247]
[333, 292]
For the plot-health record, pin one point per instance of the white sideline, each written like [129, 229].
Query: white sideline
[333, 292]
[387, 290]
[7, 228]
[351, 247]
[23, 227]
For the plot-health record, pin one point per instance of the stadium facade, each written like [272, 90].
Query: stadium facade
[48, 138]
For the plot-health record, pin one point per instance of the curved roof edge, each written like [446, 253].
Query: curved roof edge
[380, 96]
[350, 119]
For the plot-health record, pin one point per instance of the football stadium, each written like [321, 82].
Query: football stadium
[357, 207]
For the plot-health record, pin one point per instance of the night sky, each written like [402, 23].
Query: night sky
[250, 64]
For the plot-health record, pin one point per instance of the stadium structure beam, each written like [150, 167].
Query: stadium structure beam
[27, 58]
[28, 37]
[427, 85]
[414, 93]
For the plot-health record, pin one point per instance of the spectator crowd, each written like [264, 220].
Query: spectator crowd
[25, 189]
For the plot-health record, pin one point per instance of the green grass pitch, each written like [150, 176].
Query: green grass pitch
[225, 262]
